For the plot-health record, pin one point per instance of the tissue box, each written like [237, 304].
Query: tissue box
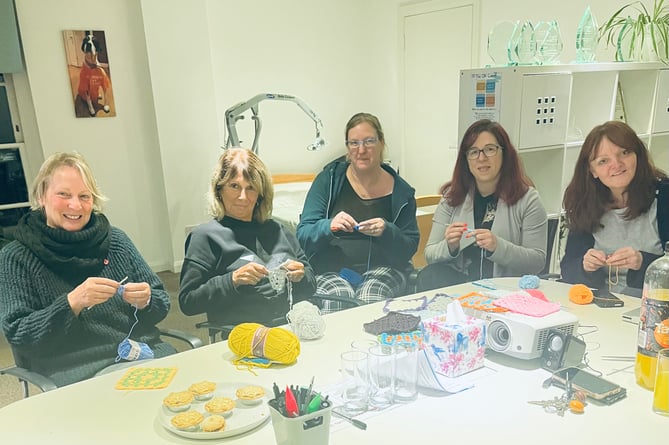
[454, 348]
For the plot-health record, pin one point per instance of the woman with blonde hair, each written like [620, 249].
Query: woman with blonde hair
[73, 287]
[228, 260]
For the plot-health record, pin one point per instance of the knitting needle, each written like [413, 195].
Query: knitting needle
[120, 282]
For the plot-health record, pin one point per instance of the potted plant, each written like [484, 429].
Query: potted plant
[638, 34]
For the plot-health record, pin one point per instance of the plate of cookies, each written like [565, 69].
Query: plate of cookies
[213, 410]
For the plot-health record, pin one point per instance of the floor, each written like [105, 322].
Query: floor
[10, 388]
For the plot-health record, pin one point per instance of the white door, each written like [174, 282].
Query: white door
[439, 39]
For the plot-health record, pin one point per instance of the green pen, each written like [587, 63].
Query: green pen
[315, 404]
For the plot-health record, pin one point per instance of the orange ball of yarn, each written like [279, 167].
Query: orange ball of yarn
[580, 294]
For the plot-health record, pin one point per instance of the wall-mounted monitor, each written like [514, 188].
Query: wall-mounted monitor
[13, 184]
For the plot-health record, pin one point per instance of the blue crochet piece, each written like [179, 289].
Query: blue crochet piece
[529, 282]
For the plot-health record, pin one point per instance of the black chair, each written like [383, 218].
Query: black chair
[553, 226]
[216, 330]
[21, 370]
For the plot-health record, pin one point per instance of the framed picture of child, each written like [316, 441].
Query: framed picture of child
[89, 73]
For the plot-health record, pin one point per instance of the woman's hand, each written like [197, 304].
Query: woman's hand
[594, 260]
[344, 222]
[95, 290]
[485, 239]
[137, 294]
[626, 257]
[294, 270]
[372, 227]
[249, 274]
[453, 235]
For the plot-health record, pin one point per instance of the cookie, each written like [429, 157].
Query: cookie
[220, 405]
[178, 401]
[213, 423]
[188, 421]
[203, 390]
[250, 394]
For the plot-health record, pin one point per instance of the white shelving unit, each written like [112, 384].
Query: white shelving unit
[548, 111]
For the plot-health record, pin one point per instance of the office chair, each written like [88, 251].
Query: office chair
[424, 215]
[21, 368]
[553, 229]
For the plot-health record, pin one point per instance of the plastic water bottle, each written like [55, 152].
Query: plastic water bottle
[586, 38]
[654, 320]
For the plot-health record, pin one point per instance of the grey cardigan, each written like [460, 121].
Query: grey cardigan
[521, 231]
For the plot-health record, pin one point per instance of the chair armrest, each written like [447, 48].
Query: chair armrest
[192, 340]
[42, 382]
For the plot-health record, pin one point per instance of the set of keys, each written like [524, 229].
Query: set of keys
[573, 401]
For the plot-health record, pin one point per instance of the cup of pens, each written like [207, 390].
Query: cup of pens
[300, 416]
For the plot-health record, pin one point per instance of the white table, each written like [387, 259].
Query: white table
[494, 411]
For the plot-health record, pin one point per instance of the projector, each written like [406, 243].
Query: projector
[522, 336]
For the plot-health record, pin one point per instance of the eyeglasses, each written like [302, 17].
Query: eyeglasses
[489, 151]
[367, 143]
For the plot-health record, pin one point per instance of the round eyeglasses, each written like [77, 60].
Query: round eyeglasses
[489, 150]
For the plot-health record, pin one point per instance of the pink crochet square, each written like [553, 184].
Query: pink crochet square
[522, 303]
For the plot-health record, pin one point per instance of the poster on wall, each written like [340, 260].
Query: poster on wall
[89, 73]
[487, 94]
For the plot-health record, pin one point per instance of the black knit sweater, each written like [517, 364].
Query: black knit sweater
[37, 320]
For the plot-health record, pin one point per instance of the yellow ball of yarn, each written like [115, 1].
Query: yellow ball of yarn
[255, 340]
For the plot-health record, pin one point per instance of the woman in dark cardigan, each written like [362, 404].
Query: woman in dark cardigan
[617, 207]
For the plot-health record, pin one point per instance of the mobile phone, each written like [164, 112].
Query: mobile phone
[596, 388]
[604, 298]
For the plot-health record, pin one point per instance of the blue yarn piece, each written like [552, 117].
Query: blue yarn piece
[351, 276]
[529, 282]
[120, 290]
[133, 350]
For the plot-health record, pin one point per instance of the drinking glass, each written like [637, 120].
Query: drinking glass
[355, 391]
[661, 389]
[381, 376]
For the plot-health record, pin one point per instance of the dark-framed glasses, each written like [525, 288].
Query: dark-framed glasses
[489, 150]
[367, 143]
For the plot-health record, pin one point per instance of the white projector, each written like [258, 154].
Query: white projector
[522, 336]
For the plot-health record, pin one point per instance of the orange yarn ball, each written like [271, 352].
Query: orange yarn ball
[580, 294]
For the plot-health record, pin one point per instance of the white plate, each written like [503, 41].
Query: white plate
[244, 418]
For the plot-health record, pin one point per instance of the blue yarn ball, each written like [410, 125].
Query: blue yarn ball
[529, 282]
[134, 350]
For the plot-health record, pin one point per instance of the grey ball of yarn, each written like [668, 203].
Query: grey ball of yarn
[306, 321]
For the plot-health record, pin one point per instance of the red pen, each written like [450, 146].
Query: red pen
[291, 404]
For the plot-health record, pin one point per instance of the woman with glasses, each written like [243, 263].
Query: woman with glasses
[617, 208]
[490, 221]
[358, 226]
[237, 264]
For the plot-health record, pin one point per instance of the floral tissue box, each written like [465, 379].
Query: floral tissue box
[454, 348]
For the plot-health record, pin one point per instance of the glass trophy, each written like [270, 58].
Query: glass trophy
[586, 38]
[549, 42]
[522, 46]
[498, 43]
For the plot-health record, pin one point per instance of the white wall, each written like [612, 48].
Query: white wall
[178, 64]
[206, 56]
[123, 150]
